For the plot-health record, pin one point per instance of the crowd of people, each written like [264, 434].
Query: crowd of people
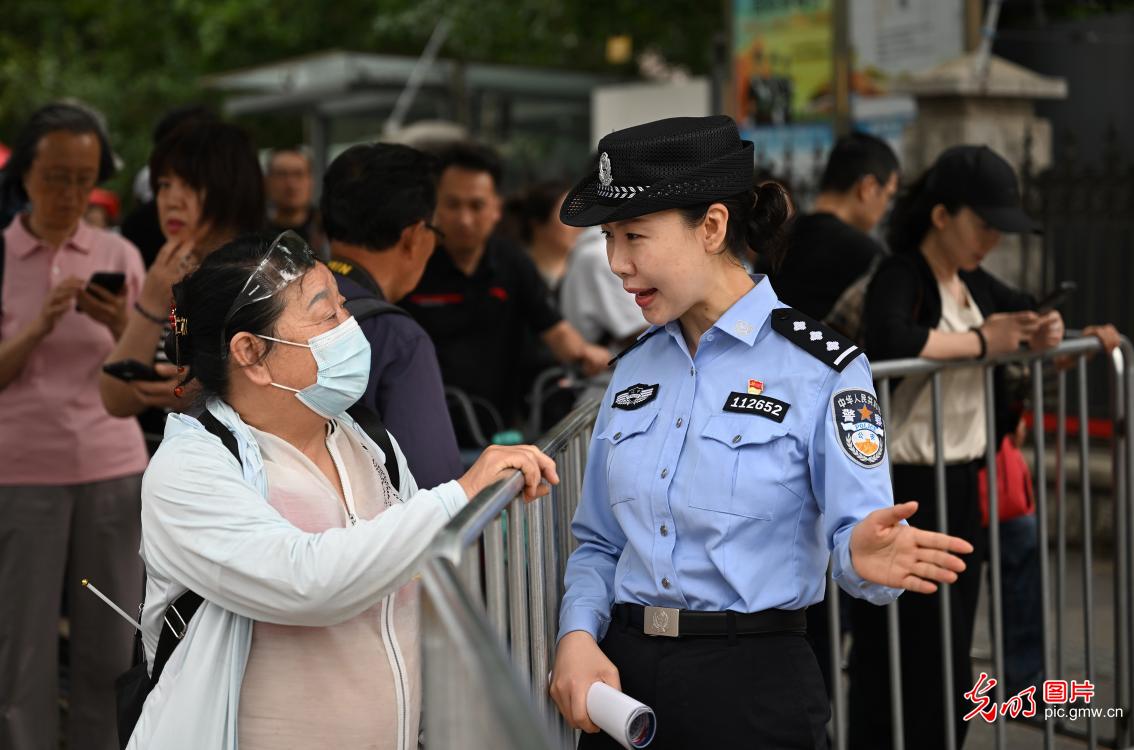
[313, 367]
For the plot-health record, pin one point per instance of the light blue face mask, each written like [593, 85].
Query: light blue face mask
[343, 357]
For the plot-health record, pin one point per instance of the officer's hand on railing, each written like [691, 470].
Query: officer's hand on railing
[579, 663]
[1048, 333]
[1006, 332]
[886, 552]
[499, 461]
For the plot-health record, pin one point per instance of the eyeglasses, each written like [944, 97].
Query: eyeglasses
[436, 231]
[287, 259]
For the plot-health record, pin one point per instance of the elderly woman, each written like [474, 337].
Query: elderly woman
[301, 550]
[71, 474]
[209, 189]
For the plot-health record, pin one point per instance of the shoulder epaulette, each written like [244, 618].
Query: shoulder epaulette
[633, 346]
[820, 341]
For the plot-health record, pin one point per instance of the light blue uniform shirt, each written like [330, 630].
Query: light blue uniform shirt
[688, 505]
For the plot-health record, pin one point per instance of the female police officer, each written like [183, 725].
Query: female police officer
[739, 446]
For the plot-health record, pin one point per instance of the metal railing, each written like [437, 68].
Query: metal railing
[493, 580]
[494, 577]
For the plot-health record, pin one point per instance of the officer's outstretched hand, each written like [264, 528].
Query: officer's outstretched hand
[579, 663]
[887, 552]
[499, 461]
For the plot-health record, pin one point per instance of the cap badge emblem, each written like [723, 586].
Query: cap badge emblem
[604, 175]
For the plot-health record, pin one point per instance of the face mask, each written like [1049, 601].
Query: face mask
[343, 357]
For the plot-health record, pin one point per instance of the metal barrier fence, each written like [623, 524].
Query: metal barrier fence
[493, 579]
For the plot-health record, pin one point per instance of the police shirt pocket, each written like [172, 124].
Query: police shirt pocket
[627, 435]
[724, 443]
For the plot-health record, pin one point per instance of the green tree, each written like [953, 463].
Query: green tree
[133, 61]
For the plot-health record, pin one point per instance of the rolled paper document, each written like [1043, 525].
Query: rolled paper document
[629, 722]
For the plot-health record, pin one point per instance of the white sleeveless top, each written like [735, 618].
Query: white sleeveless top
[356, 684]
[962, 401]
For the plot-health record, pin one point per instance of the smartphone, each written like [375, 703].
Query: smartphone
[1056, 297]
[129, 370]
[111, 281]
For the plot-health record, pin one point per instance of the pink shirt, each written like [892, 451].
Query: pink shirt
[54, 429]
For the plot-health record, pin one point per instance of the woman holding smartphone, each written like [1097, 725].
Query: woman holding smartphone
[208, 188]
[70, 478]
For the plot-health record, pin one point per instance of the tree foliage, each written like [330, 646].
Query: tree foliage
[134, 60]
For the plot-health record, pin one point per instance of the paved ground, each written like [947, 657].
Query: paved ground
[1073, 651]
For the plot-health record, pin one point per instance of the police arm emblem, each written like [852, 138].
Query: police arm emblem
[859, 426]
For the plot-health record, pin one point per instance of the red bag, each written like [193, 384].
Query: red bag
[1015, 496]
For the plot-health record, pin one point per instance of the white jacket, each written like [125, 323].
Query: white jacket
[207, 526]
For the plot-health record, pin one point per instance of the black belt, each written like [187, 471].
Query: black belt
[676, 623]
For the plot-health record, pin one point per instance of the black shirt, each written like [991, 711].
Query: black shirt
[478, 322]
[824, 256]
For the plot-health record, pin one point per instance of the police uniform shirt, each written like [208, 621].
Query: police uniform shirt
[725, 481]
[477, 322]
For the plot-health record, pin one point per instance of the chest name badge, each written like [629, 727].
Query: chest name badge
[635, 397]
[859, 426]
[760, 406]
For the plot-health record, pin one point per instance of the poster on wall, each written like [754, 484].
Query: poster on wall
[783, 64]
[781, 60]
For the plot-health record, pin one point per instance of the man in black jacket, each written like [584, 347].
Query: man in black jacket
[829, 248]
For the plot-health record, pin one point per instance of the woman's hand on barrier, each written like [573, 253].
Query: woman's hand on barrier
[108, 309]
[173, 262]
[499, 461]
[595, 359]
[1006, 332]
[1105, 333]
[887, 552]
[1048, 333]
[162, 394]
[579, 663]
[59, 300]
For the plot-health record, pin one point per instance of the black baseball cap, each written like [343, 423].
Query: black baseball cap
[978, 177]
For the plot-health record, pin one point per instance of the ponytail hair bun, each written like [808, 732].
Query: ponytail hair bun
[768, 220]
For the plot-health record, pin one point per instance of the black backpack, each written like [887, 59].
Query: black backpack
[134, 685]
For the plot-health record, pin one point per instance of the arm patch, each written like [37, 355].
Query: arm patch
[822, 342]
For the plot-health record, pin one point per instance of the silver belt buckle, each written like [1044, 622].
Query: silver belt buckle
[661, 621]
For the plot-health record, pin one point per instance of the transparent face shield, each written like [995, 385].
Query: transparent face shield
[287, 259]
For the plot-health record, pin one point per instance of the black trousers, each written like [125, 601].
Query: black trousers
[752, 691]
[923, 696]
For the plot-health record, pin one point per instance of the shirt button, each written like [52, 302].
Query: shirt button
[665, 583]
[692, 371]
[680, 421]
[617, 435]
[664, 473]
[664, 530]
[736, 438]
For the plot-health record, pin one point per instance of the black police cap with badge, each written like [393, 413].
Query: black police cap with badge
[679, 162]
[671, 163]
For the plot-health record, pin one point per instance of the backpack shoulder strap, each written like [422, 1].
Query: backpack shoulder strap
[181, 611]
[177, 617]
[373, 426]
[213, 425]
[364, 308]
